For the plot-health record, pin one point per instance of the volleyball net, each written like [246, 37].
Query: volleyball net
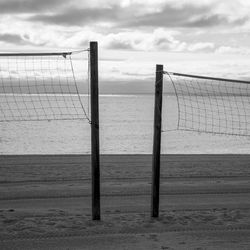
[203, 104]
[211, 105]
[55, 86]
[44, 86]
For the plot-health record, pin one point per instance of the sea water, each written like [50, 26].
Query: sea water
[126, 127]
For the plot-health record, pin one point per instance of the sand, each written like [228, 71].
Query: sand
[45, 202]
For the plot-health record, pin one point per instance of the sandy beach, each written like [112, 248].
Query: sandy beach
[45, 202]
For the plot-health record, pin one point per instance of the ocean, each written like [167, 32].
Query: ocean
[126, 127]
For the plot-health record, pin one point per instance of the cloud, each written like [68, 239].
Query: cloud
[164, 40]
[159, 39]
[201, 47]
[139, 15]
[214, 20]
[76, 17]
[21, 39]
[232, 50]
[119, 45]
[159, 25]
[186, 15]
[128, 13]
[12, 38]
[30, 6]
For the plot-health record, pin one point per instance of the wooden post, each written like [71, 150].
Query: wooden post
[157, 143]
[95, 151]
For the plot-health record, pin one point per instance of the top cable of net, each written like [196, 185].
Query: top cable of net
[206, 77]
[64, 54]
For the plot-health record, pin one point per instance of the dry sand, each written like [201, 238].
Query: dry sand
[45, 203]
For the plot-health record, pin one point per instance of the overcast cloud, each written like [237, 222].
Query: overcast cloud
[125, 24]
[129, 26]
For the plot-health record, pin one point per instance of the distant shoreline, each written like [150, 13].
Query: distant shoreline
[120, 94]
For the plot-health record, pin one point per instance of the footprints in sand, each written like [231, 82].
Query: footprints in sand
[17, 223]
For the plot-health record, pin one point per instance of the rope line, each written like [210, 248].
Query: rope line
[206, 77]
[64, 54]
[78, 94]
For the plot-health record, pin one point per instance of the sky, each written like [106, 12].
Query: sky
[206, 37]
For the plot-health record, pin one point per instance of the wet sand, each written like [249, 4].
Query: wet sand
[45, 202]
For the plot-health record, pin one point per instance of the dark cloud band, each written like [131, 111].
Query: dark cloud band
[77, 17]
[30, 6]
[11, 38]
[187, 16]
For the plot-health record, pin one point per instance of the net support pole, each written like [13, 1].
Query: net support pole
[155, 192]
[95, 151]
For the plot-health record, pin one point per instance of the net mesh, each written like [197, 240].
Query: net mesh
[212, 105]
[41, 86]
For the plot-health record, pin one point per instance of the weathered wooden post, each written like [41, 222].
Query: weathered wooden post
[95, 151]
[157, 142]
